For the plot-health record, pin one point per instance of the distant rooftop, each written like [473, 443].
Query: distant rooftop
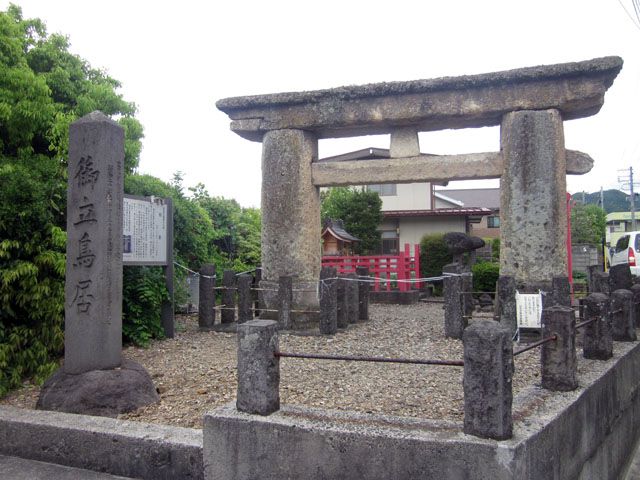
[475, 197]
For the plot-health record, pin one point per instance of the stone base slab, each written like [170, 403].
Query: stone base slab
[119, 447]
[585, 434]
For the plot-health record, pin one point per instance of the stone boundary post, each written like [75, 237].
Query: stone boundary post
[488, 371]
[363, 293]
[454, 321]
[341, 301]
[328, 301]
[352, 298]
[623, 316]
[258, 367]
[506, 302]
[207, 297]
[597, 339]
[558, 358]
[244, 298]
[228, 313]
[285, 299]
[635, 290]
[467, 296]
[560, 291]
[620, 277]
[257, 295]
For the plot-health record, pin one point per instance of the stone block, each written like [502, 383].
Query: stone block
[561, 291]
[207, 297]
[352, 298]
[328, 301]
[228, 313]
[623, 316]
[258, 367]
[597, 340]
[342, 302]
[620, 277]
[454, 321]
[635, 290]
[285, 299]
[506, 303]
[488, 372]
[364, 288]
[244, 298]
[558, 357]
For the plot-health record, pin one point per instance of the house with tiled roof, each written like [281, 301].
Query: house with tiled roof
[489, 225]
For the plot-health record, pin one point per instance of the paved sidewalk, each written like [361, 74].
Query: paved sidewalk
[14, 468]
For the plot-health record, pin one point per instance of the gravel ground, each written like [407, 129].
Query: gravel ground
[196, 372]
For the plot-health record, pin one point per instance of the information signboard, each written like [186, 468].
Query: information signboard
[144, 231]
[529, 310]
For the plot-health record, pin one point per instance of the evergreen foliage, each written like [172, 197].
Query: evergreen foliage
[588, 224]
[433, 255]
[485, 276]
[360, 210]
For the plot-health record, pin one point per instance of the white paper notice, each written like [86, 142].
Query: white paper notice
[144, 232]
[529, 310]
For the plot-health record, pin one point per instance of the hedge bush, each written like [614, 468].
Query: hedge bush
[433, 255]
[485, 276]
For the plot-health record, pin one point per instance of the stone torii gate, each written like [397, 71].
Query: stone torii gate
[529, 104]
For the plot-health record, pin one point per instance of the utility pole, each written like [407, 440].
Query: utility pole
[626, 183]
[601, 199]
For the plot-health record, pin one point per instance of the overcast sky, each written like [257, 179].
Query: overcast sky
[176, 59]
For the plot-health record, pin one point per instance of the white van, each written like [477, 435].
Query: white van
[627, 250]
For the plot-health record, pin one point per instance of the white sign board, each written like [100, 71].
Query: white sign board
[144, 231]
[529, 310]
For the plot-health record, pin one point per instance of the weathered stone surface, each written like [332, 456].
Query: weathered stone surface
[328, 301]
[467, 296]
[93, 283]
[458, 242]
[620, 277]
[426, 168]
[623, 316]
[364, 288]
[454, 320]
[558, 358]
[258, 299]
[597, 340]
[560, 291]
[245, 299]
[228, 313]
[104, 393]
[533, 196]
[506, 303]
[488, 370]
[285, 298]
[635, 290]
[575, 89]
[207, 297]
[258, 367]
[404, 143]
[599, 282]
[290, 217]
[342, 302]
[353, 310]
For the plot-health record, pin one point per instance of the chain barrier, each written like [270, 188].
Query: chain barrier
[351, 358]
[197, 274]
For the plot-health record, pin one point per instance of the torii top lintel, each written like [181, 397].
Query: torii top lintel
[575, 89]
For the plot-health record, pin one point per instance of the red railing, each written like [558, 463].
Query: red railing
[385, 268]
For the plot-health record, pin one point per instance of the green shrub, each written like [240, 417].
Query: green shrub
[495, 249]
[433, 255]
[485, 276]
[143, 291]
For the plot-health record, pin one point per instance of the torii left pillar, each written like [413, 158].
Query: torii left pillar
[291, 228]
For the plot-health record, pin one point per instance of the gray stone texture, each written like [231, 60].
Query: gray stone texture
[467, 296]
[425, 168]
[404, 142]
[620, 277]
[597, 340]
[635, 290]
[14, 468]
[207, 297]
[285, 298]
[353, 311]
[119, 447]
[454, 321]
[328, 301]
[533, 196]
[258, 367]
[558, 358]
[364, 288]
[245, 300]
[575, 89]
[228, 312]
[93, 282]
[623, 316]
[459, 242]
[291, 226]
[258, 299]
[561, 291]
[488, 373]
[342, 302]
[104, 393]
[506, 303]
[599, 283]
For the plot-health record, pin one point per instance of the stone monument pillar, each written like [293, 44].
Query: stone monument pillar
[533, 213]
[291, 226]
[93, 285]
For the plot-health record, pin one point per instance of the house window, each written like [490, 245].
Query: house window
[385, 190]
[493, 221]
[390, 242]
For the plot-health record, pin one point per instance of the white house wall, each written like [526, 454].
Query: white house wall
[409, 196]
[412, 229]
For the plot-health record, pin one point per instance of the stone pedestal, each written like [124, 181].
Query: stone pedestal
[533, 189]
[291, 225]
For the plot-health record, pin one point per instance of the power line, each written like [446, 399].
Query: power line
[634, 20]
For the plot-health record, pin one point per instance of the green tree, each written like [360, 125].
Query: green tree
[588, 224]
[43, 88]
[360, 210]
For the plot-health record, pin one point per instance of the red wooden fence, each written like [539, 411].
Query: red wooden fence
[385, 268]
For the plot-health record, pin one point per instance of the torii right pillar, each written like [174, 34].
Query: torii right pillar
[533, 247]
